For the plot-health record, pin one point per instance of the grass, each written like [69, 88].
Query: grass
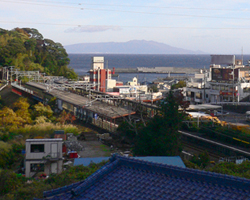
[44, 130]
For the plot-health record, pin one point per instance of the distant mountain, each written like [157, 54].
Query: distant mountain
[130, 47]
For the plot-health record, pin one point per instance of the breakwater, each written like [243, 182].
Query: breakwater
[158, 70]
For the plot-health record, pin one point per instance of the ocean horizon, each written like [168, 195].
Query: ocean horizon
[81, 63]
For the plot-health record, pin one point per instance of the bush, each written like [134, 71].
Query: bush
[17, 188]
[10, 181]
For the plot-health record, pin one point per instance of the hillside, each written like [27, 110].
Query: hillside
[26, 49]
[130, 47]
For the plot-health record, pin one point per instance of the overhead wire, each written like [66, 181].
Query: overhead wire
[126, 11]
[141, 6]
[110, 26]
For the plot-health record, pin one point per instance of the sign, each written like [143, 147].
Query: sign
[229, 93]
[219, 74]
[98, 59]
[223, 59]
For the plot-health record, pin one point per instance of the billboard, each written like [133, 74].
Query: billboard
[219, 74]
[223, 59]
[98, 59]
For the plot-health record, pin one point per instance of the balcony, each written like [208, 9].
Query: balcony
[52, 156]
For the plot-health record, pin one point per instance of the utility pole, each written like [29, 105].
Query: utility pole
[205, 76]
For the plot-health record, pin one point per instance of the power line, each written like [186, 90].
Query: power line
[110, 26]
[136, 12]
[142, 6]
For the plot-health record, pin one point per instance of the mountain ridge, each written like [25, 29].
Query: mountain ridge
[129, 47]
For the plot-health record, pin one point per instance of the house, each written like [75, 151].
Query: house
[43, 155]
[129, 178]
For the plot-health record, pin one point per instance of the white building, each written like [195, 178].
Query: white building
[43, 155]
[198, 88]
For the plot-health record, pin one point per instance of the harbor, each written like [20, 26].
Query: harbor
[158, 70]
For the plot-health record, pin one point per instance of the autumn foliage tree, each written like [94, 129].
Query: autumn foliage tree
[66, 117]
[21, 107]
[42, 110]
[9, 119]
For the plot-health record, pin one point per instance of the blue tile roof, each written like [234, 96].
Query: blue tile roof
[129, 178]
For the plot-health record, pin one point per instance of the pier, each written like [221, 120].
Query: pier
[158, 70]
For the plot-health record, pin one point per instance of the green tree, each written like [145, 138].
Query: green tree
[42, 110]
[26, 49]
[202, 160]
[180, 84]
[153, 88]
[160, 137]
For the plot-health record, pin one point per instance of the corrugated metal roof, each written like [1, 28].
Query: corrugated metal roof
[87, 161]
[168, 160]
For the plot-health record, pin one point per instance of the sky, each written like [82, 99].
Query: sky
[214, 26]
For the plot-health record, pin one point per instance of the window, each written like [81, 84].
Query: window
[198, 95]
[37, 148]
[37, 167]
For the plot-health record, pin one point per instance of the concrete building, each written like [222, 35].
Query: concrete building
[43, 155]
[110, 84]
[230, 80]
[98, 74]
[227, 80]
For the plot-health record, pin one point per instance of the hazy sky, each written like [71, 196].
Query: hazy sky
[214, 26]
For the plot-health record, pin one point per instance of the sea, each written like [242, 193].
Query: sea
[81, 63]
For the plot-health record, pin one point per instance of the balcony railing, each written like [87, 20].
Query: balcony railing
[52, 156]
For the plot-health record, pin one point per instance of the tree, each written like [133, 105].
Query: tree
[26, 49]
[42, 110]
[180, 84]
[66, 117]
[8, 118]
[202, 160]
[153, 88]
[161, 137]
[21, 107]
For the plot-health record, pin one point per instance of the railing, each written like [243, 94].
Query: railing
[52, 156]
[22, 88]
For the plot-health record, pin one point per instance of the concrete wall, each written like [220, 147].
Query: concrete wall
[49, 167]
[52, 147]
[47, 148]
